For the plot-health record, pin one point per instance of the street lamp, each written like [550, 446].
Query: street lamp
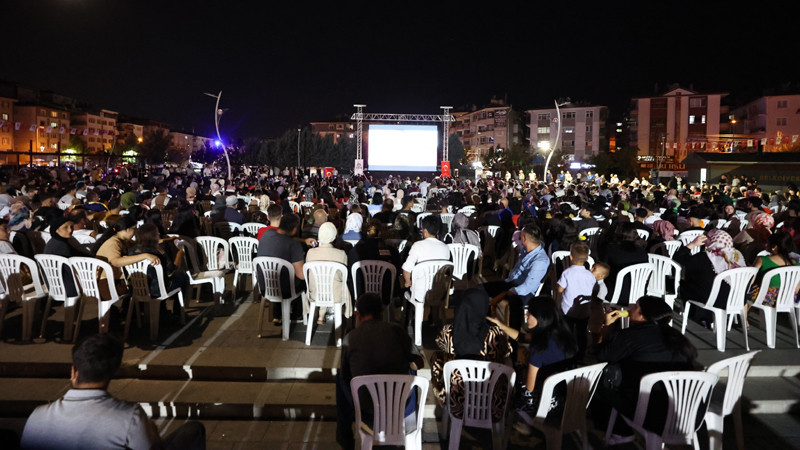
[217, 114]
[298, 149]
[558, 135]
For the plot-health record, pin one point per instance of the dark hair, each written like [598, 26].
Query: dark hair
[432, 224]
[97, 357]
[289, 222]
[125, 222]
[147, 236]
[783, 241]
[533, 231]
[656, 311]
[370, 304]
[550, 324]
[274, 211]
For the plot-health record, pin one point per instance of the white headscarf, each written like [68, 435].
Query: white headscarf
[354, 223]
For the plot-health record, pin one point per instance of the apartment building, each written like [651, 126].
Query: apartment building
[583, 129]
[6, 126]
[772, 121]
[497, 126]
[338, 130]
[44, 131]
[99, 129]
[678, 122]
[189, 143]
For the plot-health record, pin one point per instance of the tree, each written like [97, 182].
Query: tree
[623, 162]
[154, 147]
[457, 155]
[77, 144]
[518, 157]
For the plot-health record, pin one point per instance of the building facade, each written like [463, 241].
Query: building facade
[583, 130]
[44, 131]
[773, 122]
[681, 121]
[338, 130]
[6, 127]
[495, 127]
[99, 129]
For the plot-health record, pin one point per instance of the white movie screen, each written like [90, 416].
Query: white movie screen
[403, 147]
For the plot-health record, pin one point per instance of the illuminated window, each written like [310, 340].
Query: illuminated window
[4, 116]
[703, 118]
[544, 130]
[569, 130]
[691, 120]
[544, 116]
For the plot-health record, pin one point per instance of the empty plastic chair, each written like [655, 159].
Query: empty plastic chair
[727, 399]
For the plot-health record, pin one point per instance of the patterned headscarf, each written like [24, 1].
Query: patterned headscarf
[665, 229]
[720, 251]
[765, 220]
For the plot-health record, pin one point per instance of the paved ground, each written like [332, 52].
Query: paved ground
[269, 393]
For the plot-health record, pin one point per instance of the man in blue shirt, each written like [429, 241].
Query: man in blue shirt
[524, 279]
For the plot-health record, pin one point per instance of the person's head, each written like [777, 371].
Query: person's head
[431, 225]
[388, 205]
[779, 243]
[543, 314]
[627, 234]
[5, 234]
[147, 236]
[326, 233]
[231, 201]
[375, 228]
[62, 227]
[113, 205]
[274, 213]
[320, 217]
[531, 236]
[289, 224]
[354, 223]
[470, 326]
[96, 359]
[124, 227]
[369, 306]
[579, 253]
[600, 270]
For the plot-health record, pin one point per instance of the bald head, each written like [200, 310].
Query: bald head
[320, 217]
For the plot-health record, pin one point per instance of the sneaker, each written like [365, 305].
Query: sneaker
[277, 322]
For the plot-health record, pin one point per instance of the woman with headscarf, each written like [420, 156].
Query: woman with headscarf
[352, 227]
[663, 231]
[719, 256]
[470, 336]
[462, 234]
[327, 252]
[754, 238]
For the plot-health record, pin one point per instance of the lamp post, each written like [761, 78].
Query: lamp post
[217, 114]
[298, 149]
[558, 135]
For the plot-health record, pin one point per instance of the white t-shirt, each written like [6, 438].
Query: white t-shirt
[429, 249]
[576, 280]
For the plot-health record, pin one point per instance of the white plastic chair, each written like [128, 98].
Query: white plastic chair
[447, 220]
[663, 268]
[688, 393]
[763, 253]
[478, 380]
[421, 216]
[687, 237]
[784, 303]
[215, 252]
[323, 274]
[226, 230]
[728, 400]
[251, 228]
[591, 231]
[461, 253]
[492, 230]
[27, 295]
[425, 273]
[306, 205]
[389, 394]
[243, 250]
[295, 207]
[87, 271]
[639, 274]
[139, 282]
[581, 384]
[643, 234]
[198, 274]
[53, 270]
[672, 247]
[270, 269]
[373, 272]
[739, 280]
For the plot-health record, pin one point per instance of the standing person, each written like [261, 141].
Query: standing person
[396, 354]
[88, 417]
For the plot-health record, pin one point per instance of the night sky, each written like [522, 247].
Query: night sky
[281, 64]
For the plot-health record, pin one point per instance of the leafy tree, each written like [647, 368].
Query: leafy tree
[623, 162]
[154, 146]
[491, 158]
[518, 157]
[457, 155]
[77, 144]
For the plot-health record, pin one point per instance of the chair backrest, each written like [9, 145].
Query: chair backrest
[447, 220]
[639, 275]
[723, 223]
[270, 269]
[226, 230]
[402, 245]
[215, 250]
[461, 256]
[53, 269]
[305, 204]
[739, 280]
[389, 394]
[373, 272]
[295, 207]
[672, 247]
[425, 273]
[789, 277]
[591, 231]
[252, 228]
[243, 250]
[737, 368]
[421, 216]
[492, 230]
[322, 274]
[479, 381]
[558, 255]
[689, 393]
[139, 280]
[663, 267]
[11, 276]
[581, 383]
[688, 236]
[643, 234]
[87, 271]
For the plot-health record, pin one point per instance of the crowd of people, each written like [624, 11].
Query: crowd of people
[521, 310]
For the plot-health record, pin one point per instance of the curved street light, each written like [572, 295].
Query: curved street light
[217, 114]
[558, 135]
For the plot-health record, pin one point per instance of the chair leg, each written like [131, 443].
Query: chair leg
[744, 330]
[714, 425]
[686, 307]
[310, 327]
[46, 313]
[183, 307]
[719, 319]
[131, 307]
[794, 325]
[770, 324]
[69, 322]
[737, 425]
[419, 309]
[286, 314]
[337, 324]
[455, 433]
[77, 331]
[261, 315]
[612, 420]
[28, 313]
[3, 306]
[155, 313]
